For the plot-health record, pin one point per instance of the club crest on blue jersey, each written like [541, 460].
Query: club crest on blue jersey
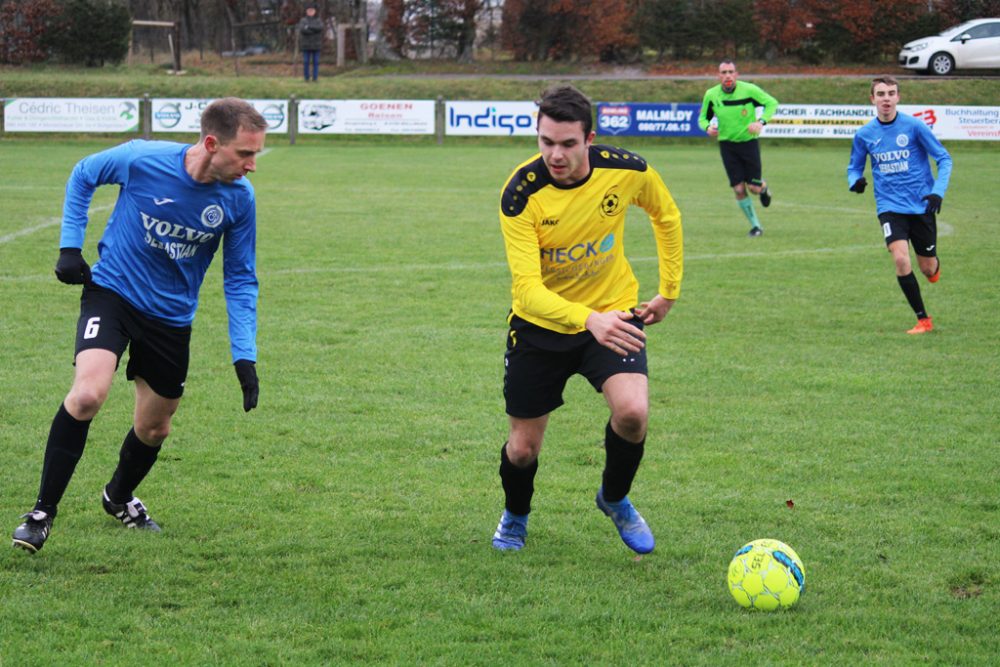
[212, 216]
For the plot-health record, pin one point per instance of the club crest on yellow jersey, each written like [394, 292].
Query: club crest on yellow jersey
[611, 204]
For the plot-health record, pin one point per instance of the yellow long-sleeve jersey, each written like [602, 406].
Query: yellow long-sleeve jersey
[565, 243]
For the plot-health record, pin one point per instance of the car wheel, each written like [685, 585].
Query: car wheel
[941, 64]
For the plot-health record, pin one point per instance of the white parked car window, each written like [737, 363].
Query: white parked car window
[980, 31]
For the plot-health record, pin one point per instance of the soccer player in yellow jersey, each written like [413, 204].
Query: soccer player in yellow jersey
[575, 309]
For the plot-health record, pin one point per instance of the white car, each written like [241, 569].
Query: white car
[973, 44]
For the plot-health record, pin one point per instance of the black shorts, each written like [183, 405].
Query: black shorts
[158, 353]
[742, 161]
[919, 228]
[538, 363]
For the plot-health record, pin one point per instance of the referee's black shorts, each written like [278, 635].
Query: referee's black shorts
[158, 353]
[742, 161]
[538, 363]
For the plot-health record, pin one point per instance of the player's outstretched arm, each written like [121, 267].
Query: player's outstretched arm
[655, 309]
[614, 331]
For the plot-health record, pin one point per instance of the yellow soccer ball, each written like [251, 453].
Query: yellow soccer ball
[766, 575]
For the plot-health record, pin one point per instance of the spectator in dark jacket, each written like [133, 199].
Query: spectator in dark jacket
[310, 41]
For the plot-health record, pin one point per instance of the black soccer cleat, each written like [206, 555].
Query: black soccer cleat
[132, 514]
[31, 534]
[755, 232]
[765, 197]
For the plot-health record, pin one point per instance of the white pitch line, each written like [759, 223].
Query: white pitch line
[45, 224]
[51, 222]
[397, 268]
[402, 269]
[841, 209]
[944, 229]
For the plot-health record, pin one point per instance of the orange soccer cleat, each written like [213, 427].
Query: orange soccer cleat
[924, 325]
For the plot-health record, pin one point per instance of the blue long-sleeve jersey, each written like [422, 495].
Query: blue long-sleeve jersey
[164, 232]
[901, 172]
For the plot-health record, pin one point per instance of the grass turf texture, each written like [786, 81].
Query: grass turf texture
[348, 518]
[412, 81]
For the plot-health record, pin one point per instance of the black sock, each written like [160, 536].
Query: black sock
[67, 438]
[134, 462]
[911, 289]
[621, 464]
[518, 484]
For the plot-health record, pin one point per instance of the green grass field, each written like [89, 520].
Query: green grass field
[348, 518]
[426, 81]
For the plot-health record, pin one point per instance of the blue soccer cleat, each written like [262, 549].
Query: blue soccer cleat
[630, 524]
[511, 532]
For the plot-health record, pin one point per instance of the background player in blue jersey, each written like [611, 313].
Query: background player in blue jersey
[177, 204]
[907, 195]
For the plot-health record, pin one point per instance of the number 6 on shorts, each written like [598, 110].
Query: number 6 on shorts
[93, 326]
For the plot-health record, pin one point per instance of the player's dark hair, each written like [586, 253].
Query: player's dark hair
[885, 79]
[224, 117]
[566, 104]
[727, 61]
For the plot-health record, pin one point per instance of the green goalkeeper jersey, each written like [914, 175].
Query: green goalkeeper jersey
[736, 110]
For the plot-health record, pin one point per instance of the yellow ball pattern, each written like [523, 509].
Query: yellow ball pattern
[766, 575]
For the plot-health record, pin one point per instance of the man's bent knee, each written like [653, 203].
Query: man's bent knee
[630, 422]
[153, 434]
[84, 402]
[633, 430]
[522, 451]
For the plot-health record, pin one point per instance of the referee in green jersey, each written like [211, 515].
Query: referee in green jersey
[729, 112]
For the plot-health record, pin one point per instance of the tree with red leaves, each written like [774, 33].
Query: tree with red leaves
[567, 29]
[784, 26]
[394, 26]
[26, 30]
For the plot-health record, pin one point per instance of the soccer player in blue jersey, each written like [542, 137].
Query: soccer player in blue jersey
[177, 205]
[907, 194]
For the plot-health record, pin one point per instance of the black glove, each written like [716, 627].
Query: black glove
[860, 185]
[933, 204]
[71, 268]
[246, 371]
